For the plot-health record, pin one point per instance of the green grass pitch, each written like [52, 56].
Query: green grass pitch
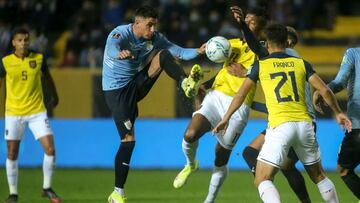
[154, 186]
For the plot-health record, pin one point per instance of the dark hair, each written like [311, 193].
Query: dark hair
[261, 14]
[277, 34]
[19, 30]
[146, 12]
[292, 34]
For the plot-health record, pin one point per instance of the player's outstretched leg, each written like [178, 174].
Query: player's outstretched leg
[191, 84]
[12, 170]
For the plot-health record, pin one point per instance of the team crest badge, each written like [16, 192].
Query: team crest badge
[32, 64]
[149, 45]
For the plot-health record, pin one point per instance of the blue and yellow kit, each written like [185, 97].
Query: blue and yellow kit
[24, 95]
[229, 84]
[283, 78]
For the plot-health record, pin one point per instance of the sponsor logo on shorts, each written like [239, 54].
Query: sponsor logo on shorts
[128, 124]
[6, 132]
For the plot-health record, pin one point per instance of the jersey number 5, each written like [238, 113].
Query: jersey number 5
[282, 81]
[24, 75]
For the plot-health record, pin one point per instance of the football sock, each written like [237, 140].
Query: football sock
[327, 190]
[167, 63]
[217, 178]
[48, 170]
[268, 192]
[189, 150]
[250, 154]
[297, 184]
[122, 163]
[353, 182]
[12, 171]
[119, 191]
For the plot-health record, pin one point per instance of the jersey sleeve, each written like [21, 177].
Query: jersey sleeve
[175, 50]
[113, 43]
[254, 72]
[309, 70]
[346, 67]
[2, 69]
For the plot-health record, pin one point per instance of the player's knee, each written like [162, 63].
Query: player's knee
[260, 178]
[342, 171]
[190, 135]
[250, 154]
[50, 150]
[165, 55]
[222, 157]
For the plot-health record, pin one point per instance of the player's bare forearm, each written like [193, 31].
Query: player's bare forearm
[238, 98]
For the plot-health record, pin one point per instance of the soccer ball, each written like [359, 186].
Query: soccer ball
[217, 49]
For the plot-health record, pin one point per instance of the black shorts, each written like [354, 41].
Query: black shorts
[349, 154]
[292, 154]
[122, 102]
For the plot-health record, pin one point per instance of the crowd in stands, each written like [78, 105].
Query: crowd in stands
[72, 33]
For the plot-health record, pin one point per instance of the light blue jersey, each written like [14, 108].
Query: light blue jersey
[118, 73]
[349, 76]
[308, 97]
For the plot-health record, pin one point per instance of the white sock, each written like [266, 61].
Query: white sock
[189, 150]
[120, 191]
[12, 172]
[328, 191]
[218, 177]
[48, 170]
[268, 192]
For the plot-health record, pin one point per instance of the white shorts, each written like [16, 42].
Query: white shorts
[299, 135]
[214, 107]
[38, 124]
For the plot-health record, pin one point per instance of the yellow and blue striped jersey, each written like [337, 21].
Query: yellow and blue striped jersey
[283, 78]
[24, 95]
[229, 84]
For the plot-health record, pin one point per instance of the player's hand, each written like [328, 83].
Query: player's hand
[221, 126]
[237, 70]
[317, 102]
[201, 50]
[125, 54]
[238, 13]
[344, 121]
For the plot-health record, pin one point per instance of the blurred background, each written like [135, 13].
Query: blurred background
[72, 35]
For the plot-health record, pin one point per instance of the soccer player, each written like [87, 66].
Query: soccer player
[250, 153]
[213, 107]
[283, 81]
[134, 56]
[23, 71]
[349, 154]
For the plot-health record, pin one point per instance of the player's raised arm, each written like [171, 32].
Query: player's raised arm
[251, 34]
[180, 52]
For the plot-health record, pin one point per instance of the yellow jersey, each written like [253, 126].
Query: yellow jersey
[229, 84]
[24, 95]
[283, 78]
